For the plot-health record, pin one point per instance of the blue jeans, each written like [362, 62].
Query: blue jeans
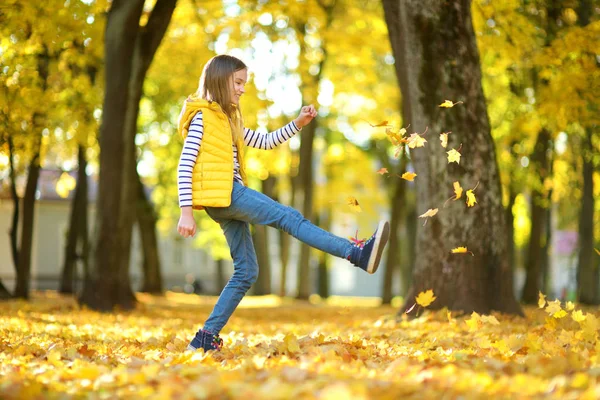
[251, 207]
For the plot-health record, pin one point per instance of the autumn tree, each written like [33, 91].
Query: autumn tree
[132, 37]
[437, 59]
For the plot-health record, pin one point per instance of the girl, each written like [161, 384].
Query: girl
[211, 177]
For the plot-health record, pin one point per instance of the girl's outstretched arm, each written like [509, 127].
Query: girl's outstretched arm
[268, 141]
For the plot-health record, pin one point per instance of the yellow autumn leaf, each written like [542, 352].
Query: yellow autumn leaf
[490, 319]
[460, 250]
[444, 139]
[458, 190]
[541, 300]
[291, 343]
[570, 306]
[474, 323]
[425, 298]
[578, 316]
[555, 310]
[449, 104]
[471, 200]
[453, 156]
[416, 140]
[429, 213]
[353, 203]
[409, 176]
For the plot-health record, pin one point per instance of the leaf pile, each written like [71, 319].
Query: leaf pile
[50, 348]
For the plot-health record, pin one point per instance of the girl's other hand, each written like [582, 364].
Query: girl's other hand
[187, 224]
[307, 113]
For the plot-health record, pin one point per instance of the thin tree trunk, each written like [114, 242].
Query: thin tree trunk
[510, 226]
[408, 266]
[14, 227]
[24, 265]
[436, 59]
[146, 218]
[284, 246]
[324, 221]
[397, 202]
[263, 283]
[587, 275]
[221, 281]
[129, 50]
[539, 164]
[78, 209]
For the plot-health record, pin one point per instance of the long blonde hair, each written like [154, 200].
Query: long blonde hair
[215, 85]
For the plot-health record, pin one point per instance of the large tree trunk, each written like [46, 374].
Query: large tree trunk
[146, 218]
[535, 257]
[407, 265]
[436, 59]
[78, 209]
[129, 50]
[587, 275]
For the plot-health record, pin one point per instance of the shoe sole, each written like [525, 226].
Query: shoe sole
[381, 238]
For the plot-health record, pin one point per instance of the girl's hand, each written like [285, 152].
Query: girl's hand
[307, 113]
[187, 224]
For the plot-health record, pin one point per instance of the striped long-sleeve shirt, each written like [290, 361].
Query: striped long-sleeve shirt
[193, 141]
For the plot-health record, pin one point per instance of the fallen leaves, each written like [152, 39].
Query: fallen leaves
[52, 349]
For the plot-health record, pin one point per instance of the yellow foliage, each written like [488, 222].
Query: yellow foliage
[276, 348]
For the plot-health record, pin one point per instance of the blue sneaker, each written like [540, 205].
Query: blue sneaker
[367, 254]
[205, 340]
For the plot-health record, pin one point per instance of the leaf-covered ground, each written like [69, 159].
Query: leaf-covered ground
[280, 349]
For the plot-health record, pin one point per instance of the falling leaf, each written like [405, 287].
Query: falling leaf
[382, 123]
[429, 213]
[382, 171]
[425, 298]
[449, 104]
[444, 139]
[471, 200]
[453, 156]
[460, 250]
[457, 190]
[416, 140]
[409, 176]
[353, 203]
[541, 300]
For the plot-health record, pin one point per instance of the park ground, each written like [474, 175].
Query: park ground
[277, 348]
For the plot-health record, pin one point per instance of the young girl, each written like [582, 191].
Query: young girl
[211, 177]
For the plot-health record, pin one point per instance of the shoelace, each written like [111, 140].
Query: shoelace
[360, 243]
[217, 342]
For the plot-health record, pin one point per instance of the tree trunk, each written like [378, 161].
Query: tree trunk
[539, 166]
[305, 175]
[587, 274]
[392, 264]
[436, 59]
[14, 227]
[510, 226]
[24, 265]
[408, 265]
[324, 221]
[221, 282]
[261, 243]
[129, 50]
[78, 209]
[146, 218]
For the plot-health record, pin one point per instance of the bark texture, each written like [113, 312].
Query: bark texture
[437, 59]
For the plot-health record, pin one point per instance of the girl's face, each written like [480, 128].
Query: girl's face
[239, 81]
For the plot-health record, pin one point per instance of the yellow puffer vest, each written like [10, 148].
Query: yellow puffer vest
[212, 177]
